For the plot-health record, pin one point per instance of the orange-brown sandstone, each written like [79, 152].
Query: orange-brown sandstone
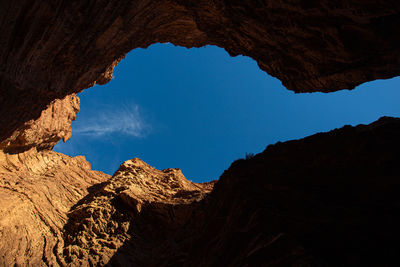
[326, 200]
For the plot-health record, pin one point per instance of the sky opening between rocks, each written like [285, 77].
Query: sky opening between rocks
[200, 109]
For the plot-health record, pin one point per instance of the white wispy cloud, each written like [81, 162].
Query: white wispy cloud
[125, 119]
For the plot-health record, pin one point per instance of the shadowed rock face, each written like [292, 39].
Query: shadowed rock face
[330, 199]
[139, 208]
[326, 200]
[50, 49]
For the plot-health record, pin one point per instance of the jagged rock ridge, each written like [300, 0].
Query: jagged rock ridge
[56, 211]
[49, 50]
[113, 215]
[330, 199]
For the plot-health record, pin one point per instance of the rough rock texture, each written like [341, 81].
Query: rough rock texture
[117, 213]
[330, 199]
[327, 200]
[53, 124]
[37, 189]
[50, 49]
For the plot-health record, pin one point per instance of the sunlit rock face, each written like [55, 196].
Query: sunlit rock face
[37, 190]
[51, 49]
[326, 200]
[45, 132]
[137, 211]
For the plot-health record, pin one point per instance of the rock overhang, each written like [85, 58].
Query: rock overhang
[51, 50]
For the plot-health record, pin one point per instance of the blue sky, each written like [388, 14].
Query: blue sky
[200, 109]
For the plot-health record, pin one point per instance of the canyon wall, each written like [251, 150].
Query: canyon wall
[37, 190]
[330, 199]
[325, 200]
[56, 211]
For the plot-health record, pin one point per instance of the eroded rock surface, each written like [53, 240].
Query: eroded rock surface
[37, 190]
[45, 132]
[326, 200]
[116, 215]
[51, 49]
[330, 199]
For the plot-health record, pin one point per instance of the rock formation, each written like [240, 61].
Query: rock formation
[37, 189]
[49, 50]
[43, 133]
[138, 208]
[326, 200]
[55, 210]
[330, 199]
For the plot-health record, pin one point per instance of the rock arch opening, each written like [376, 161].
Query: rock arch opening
[51, 50]
[200, 109]
[305, 202]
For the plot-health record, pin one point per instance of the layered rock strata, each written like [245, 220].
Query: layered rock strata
[330, 199]
[139, 208]
[326, 200]
[45, 132]
[37, 190]
[49, 50]
[56, 211]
